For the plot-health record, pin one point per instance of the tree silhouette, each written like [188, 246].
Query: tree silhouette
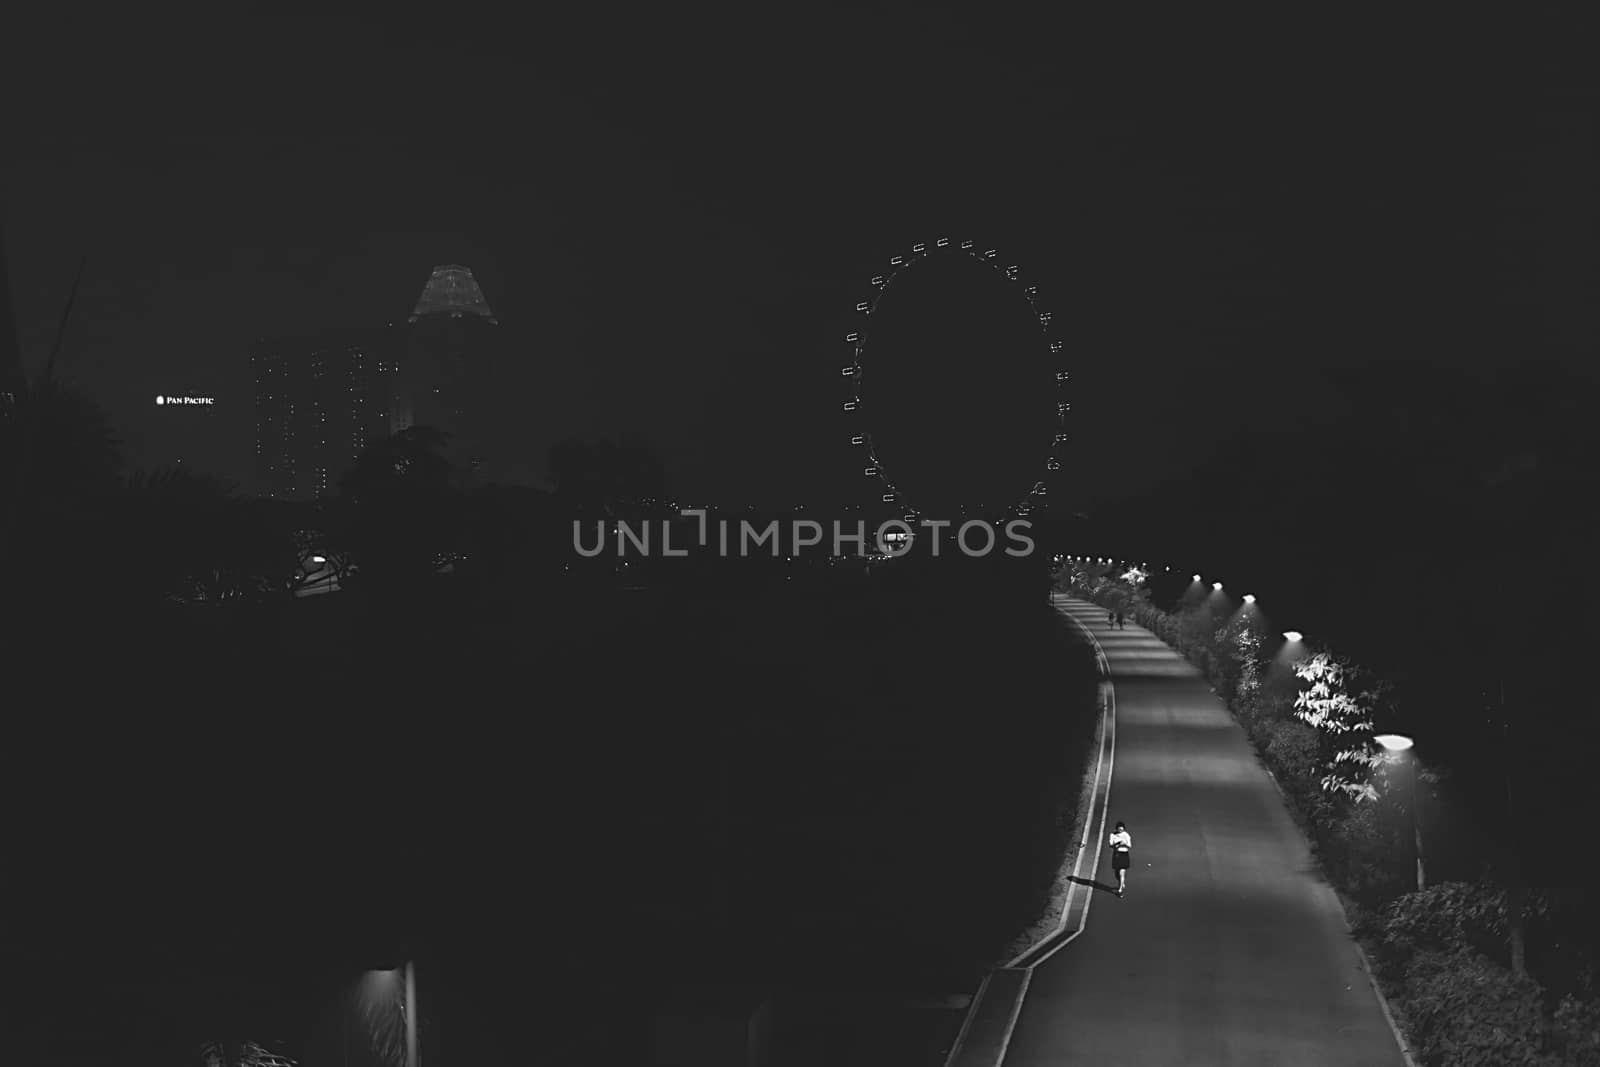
[56, 448]
[403, 513]
[416, 458]
[61, 468]
[606, 479]
[190, 538]
[511, 531]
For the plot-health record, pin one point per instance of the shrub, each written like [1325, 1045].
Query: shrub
[1447, 917]
[1575, 1033]
[1294, 750]
[1464, 1011]
[1337, 703]
[1440, 945]
[1454, 915]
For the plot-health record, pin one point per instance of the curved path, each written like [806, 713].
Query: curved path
[1228, 947]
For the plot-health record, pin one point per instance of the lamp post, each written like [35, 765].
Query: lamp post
[406, 973]
[1397, 745]
[413, 1055]
[1518, 888]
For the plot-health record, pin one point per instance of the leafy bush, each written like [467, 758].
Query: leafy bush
[1363, 848]
[1575, 1033]
[1335, 702]
[1464, 1011]
[1440, 947]
[1445, 918]
[1454, 915]
[1293, 749]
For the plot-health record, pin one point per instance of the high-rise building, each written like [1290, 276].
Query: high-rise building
[451, 351]
[320, 401]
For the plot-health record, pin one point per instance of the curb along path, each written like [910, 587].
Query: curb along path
[992, 1016]
[1228, 948]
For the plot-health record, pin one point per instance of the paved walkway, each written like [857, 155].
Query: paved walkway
[1227, 948]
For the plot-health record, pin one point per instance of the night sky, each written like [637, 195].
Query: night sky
[674, 219]
[673, 216]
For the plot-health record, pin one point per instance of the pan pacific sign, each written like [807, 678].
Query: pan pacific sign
[170, 401]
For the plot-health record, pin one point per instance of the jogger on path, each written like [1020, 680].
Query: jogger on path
[1121, 853]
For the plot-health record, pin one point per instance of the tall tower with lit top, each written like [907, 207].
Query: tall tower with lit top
[452, 292]
[452, 347]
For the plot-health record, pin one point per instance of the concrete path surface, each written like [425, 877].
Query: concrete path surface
[1228, 948]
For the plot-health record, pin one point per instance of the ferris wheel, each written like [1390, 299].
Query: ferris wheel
[857, 410]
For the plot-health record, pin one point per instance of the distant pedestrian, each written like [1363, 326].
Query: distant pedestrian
[1111, 617]
[1121, 853]
[1120, 626]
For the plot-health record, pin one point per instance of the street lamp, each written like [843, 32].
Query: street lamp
[406, 973]
[413, 1055]
[1293, 636]
[1397, 745]
[1248, 599]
